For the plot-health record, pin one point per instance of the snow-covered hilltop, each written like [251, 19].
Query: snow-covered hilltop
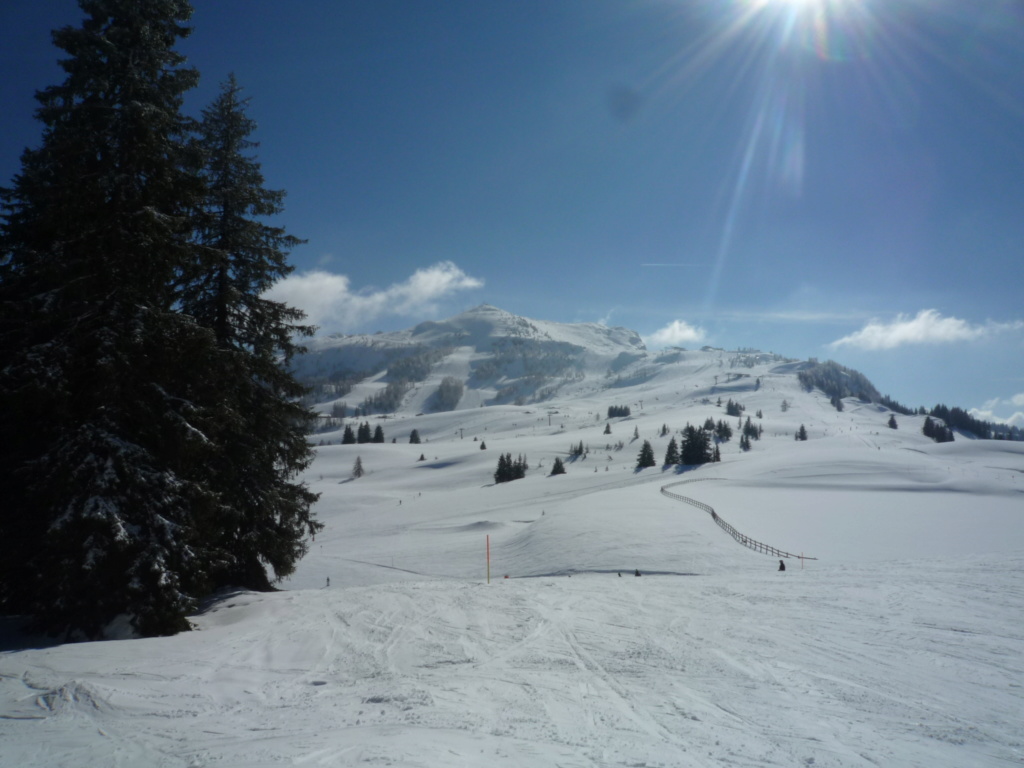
[496, 358]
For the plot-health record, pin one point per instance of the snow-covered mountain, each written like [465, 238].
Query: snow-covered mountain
[397, 642]
[496, 358]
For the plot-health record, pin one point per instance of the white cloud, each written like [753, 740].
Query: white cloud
[330, 303]
[674, 334]
[987, 414]
[927, 327]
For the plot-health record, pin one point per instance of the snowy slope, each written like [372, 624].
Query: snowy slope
[901, 645]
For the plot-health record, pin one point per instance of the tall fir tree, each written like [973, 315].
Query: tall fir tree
[103, 429]
[264, 513]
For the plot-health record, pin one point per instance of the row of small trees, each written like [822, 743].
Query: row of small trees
[510, 469]
[362, 434]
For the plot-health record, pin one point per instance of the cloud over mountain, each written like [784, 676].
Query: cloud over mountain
[674, 334]
[927, 327]
[330, 302]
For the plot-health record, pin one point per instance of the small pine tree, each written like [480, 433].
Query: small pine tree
[892, 421]
[801, 434]
[357, 468]
[646, 457]
[608, 429]
[483, 446]
[348, 437]
[414, 437]
[378, 434]
[672, 453]
[558, 468]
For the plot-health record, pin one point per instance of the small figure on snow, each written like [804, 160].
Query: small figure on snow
[782, 565]
[636, 572]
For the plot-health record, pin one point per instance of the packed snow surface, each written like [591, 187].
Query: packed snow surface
[902, 644]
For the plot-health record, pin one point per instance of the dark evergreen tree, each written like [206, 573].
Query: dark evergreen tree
[363, 433]
[672, 453]
[751, 431]
[266, 514]
[744, 443]
[733, 409]
[414, 437]
[378, 434]
[646, 456]
[696, 447]
[348, 436]
[519, 467]
[558, 468]
[892, 421]
[723, 431]
[607, 429]
[357, 468]
[483, 446]
[504, 471]
[929, 427]
[801, 434]
[107, 424]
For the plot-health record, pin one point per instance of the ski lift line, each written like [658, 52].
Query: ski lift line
[746, 541]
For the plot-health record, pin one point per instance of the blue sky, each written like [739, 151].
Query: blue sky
[832, 178]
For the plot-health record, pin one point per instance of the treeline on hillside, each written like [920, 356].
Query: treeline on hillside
[152, 433]
[404, 368]
[837, 381]
[448, 394]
